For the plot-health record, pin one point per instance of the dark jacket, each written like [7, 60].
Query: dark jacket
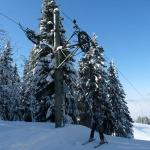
[98, 117]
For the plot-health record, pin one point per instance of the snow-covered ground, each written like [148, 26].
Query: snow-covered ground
[43, 136]
[141, 131]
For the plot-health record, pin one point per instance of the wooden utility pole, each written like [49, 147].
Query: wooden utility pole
[59, 93]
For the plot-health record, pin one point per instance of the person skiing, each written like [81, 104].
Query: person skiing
[97, 124]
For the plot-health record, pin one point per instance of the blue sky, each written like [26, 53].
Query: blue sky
[122, 27]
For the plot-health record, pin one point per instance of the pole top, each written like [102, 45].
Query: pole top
[56, 10]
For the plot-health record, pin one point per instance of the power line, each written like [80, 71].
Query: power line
[9, 18]
[131, 84]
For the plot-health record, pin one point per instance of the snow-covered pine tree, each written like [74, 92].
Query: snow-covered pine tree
[93, 83]
[69, 72]
[44, 68]
[2, 39]
[87, 86]
[16, 95]
[28, 90]
[10, 86]
[102, 92]
[41, 68]
[122, 121]
[38, 80]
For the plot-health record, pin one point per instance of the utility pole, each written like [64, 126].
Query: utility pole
[59, 91]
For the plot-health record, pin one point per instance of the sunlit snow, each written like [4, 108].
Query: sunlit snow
[44, 136]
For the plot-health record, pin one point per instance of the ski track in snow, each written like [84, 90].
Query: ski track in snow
[44, 136]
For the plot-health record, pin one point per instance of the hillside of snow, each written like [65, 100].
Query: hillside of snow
[43, 136]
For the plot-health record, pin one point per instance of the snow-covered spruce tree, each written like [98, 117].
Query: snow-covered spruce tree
[24, 101]
[87, 87]
[46, 27]
[3, 38]
[93, 84]
[41, 74]
[122, 121]
[38, 78]
[102, 99]
[10, 86]
[16, 95]
[28, 90]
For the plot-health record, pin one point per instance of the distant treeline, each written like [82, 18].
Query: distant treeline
[143, 120]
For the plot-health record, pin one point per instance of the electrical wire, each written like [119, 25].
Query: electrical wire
[14, 21]
[9, 18]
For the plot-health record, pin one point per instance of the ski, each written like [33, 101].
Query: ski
[100, 144]
[88, 142]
